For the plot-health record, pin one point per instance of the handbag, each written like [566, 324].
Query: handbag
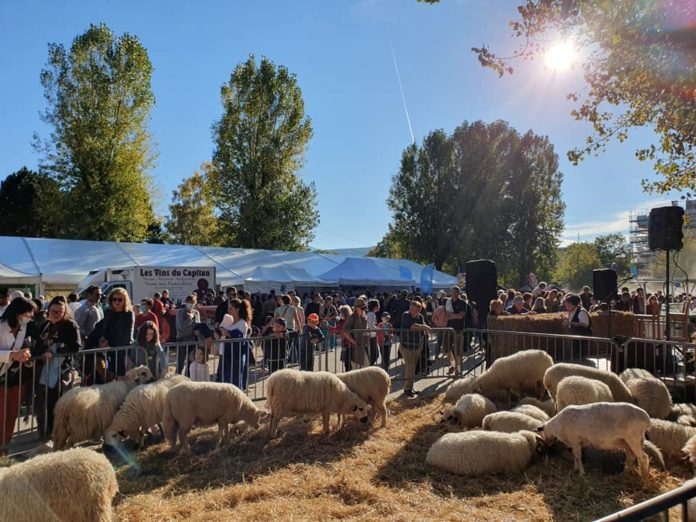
[17, 372]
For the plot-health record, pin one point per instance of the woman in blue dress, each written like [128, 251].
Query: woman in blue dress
[235, 354]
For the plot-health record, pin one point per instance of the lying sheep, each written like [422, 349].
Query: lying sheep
[635, 373]
[652, 395]
[509, 422]
[205, 404]
[469, 410]
[76, 485]
[577, 390]
[84, 413]
[460, 387]
[686, 420]
[142, 410]
[291, 392]
[372, 385]
[547, 406]
[483, 452]
[670, 437]
[682, 408]
[532, 411]
[602, 425]
[558, 371]
[511, 375]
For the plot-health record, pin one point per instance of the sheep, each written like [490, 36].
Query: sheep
[76, 485]
[689, 450]
[84, 413]
[372, 385]
[576, 390]
[142, 410]
[482, 452]
[682, 408]
[547, 406]
[470, 410]
[460, 387]
[532, 411]
[510, 422]
[655, 455]
[204, 404]
[290, 392]
[635, 373]
[686, 420]
[514, 373]
[652, 395]
[613, 461]
[558, 371]
[602, 425]
[670, 437]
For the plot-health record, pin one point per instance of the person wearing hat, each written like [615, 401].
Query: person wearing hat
[312, 337]
[412, 343]
[578, 322]
[356, 339]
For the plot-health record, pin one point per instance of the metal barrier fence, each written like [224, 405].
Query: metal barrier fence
[658, 505]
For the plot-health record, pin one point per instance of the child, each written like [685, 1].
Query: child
[372, 309]
[384, 339]
[275, 346]
[312, 336]
[198, 370]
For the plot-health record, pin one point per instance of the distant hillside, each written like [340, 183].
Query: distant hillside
[351, 252]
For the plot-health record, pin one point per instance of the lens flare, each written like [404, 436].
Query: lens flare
[561, 56]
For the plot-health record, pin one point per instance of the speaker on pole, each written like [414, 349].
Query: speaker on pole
[665, 228]
[604, 284]
[481, 282]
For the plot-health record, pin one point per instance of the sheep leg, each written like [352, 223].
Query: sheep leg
[185, 448]
[326, 417]
[222, 429]
[577, 459]
[637, 453]
[275, 419]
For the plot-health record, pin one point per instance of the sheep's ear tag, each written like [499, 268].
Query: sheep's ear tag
[355, 407]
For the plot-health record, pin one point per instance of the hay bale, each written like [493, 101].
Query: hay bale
[622, 324]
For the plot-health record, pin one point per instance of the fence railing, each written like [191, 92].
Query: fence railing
[658, 505]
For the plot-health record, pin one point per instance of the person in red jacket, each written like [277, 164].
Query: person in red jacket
[147, 314]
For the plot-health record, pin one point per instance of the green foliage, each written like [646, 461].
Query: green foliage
[613, 248]
[636, 60]
[260, 144]
[99, 99]
[575, 265]
[30, 205]
[192, 219]
[486, 191]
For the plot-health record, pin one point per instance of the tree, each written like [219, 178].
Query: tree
[575, 265]
[30, 205]
[639, 59]
[613, 249]
[260, 144]
[192, 219]
[99, 99]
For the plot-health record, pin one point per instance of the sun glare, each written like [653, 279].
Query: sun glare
[561, 56]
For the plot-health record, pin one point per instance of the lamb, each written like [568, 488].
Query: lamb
[85, 413]
[510, 422]
[204, 404]
[553, 376]
[372, 385]
[482, 452]
[532, 411]
[547, 406]
[652, 395]
[470, 410]
[602, 425]
[521, 371]
[142, 410]
[290, 392]
[670, 437]
[577, 390]
[76, 485]
[460, 387]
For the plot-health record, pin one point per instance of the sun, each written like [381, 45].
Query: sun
[561, 56]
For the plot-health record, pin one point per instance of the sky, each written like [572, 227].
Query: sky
[341, 53]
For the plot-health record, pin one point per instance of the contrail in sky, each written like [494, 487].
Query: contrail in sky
[403, 97]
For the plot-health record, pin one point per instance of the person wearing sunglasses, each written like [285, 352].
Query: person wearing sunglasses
[117, 329]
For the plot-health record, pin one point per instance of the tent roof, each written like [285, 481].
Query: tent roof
[365, 271]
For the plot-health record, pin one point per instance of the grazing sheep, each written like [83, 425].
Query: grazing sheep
[670, 437]
[469, 410]
[460, 387]
[635, 373]
[483, 452]
[511, 375]
[577, 390]
[682, 408]
[84, 413]
[547, 406]
[654, 454]
[204, 404]
[652, 395]
[142, 410]
[510, 422]
[532, 411]
[76, 485]
[558, 371]
[602, 425]
[291, 392]
[372, 385]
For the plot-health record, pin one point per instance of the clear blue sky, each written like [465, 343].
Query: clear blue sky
[340, 52]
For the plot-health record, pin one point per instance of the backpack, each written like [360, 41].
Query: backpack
[440, 317]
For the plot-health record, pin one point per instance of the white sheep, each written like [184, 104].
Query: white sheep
[686, 420]
[469, 410]
[532, 411]
[205, 404]
[635, 373]
[689, 450]
[547, 406]
[84, 413]
[682, 408]
[558, 371]
[291, 392]
[510, 422]
[460, 387]
[654, 454]
[483, 452]
[652, 395]
[513, 374]
[142, 409]
[77, 485]
[372, 385]
[577, 390]
[670, 437]
[602, 425]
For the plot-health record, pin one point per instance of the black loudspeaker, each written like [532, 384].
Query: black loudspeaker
[481, 281]
[604, 285]
[665, 228]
